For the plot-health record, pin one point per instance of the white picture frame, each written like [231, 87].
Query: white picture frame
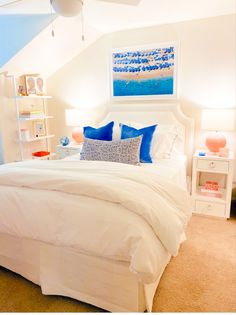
[141, 72]
[39, 129]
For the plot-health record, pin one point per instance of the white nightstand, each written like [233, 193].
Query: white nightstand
[68, 150]
[212, 168]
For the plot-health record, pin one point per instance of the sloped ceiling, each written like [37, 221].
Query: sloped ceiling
[45, 54]
[17, 30]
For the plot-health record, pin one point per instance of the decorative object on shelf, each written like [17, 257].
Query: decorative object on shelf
[76, 118]
[40, 86]
[39, 129]
[40, 153]
[224, 152]
[24, 134]
[217, 120]
[21, 90]
[201, 153]
[145, 71]
[30, 85]
[64, 141]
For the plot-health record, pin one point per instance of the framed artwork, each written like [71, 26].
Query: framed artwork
[34, 85]
[38, 129]
[30, 84]
[147, 72]
[40, 86]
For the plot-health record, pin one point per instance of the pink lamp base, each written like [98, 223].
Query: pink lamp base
[215, 141]
[77, 135]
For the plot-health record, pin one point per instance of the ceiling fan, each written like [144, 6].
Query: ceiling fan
[69, 8]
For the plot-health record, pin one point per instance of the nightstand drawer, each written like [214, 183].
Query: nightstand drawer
[66, 151]
[213, 165]
[210, 208]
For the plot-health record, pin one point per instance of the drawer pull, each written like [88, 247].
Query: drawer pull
[209, 207]
[212, 165]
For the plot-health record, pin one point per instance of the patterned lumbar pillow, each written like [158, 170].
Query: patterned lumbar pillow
[121, 151]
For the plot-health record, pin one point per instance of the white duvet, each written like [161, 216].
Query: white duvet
[113, 210]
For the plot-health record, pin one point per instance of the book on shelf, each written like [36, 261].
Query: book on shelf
[211, 192]
[32, 114]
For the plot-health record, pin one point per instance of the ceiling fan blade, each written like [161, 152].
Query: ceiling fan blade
[128, 2]
[9, 3]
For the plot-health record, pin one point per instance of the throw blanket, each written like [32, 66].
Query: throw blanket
[159, 204]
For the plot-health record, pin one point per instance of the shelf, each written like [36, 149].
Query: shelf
[35, 118]
[33, 97]
[203, 170]
[38, 138]
[199, 195]
[45, 157]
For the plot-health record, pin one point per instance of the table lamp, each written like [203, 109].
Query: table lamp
[75, 118]
[217, 120]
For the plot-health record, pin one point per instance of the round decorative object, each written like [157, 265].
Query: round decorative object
[64, 141]
[67, 8]
[215, 141]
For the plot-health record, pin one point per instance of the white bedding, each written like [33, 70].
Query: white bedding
[109, 210]
[173, 169]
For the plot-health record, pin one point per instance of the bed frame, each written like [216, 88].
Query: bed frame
[104, 283]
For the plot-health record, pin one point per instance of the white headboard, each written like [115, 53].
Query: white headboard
[167, 113]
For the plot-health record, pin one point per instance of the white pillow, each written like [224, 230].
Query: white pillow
[164, 140]
[116, 131]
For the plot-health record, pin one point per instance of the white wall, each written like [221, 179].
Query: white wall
[8, 127]
[206, 74]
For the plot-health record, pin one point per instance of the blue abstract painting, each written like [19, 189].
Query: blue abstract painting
[144, 72]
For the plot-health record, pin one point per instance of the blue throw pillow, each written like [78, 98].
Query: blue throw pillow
[147, 133]
[102, 133]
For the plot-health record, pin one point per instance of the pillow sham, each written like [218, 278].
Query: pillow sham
[147, 133]
[101, 133]
[121, 151]
[167, 140]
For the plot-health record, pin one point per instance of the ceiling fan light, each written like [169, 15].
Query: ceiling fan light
[67, 8]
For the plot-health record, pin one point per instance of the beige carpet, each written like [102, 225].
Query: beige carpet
[201, 279]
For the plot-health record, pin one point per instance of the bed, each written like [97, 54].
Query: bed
[116, 268]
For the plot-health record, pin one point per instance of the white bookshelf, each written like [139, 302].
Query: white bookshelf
[39, 102]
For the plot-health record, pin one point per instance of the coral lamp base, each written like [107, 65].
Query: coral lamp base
[215, 141]
[77, 135]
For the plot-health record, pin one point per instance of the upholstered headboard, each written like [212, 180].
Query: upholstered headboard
[170, 114]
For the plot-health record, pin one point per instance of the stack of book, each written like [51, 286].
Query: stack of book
[212, 189]
[32, 114]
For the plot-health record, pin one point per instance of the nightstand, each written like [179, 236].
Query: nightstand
[68, 150]
[212, 168]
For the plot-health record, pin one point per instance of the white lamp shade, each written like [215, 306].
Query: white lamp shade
[78, 118]
[218, 119]
[67, 7]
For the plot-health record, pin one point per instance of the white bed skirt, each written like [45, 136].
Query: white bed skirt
[107, 284]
